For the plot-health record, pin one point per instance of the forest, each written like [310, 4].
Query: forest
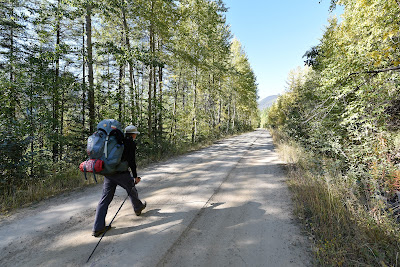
[341, 113]
[172, 68]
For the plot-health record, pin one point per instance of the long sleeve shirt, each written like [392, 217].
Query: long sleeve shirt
[129, 154]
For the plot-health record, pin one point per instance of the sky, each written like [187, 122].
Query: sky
[275, 34]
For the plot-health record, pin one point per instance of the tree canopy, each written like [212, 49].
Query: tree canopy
[346, 106]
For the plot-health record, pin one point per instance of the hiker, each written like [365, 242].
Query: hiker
[123, 179]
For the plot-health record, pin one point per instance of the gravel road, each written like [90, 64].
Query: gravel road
[225, 205]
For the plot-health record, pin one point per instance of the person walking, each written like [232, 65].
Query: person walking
[123, 179]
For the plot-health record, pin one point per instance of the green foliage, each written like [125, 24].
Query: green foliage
[343, 232]
[345, 110]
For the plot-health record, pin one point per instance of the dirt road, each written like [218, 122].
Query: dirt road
[226, 205]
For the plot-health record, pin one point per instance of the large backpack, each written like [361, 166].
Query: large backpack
[105, 148]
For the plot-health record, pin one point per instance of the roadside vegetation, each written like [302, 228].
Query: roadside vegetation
[344, 230]
[171, 68]
[338, 127]
[65, 178]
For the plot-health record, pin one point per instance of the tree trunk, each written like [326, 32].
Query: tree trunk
[155, 101]
[92, 119]
[149, 110]
[83, 84]
[160, 82]
[132, 94]
[56, 90]
[62, 105]
[31, 132]
[132, 84]
[194, 120]
[219, 112]
[174, 113]
[151, 46]
[228, 124]
[233, 117]
[154, 76]
[120, 93]
[141, 92]
[12, 93]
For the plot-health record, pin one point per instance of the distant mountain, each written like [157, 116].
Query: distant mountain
[267, 102]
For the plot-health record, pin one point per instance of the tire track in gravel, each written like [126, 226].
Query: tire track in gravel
[202, 210]
[203, 163]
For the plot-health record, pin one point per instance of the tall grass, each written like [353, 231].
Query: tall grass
[344, 231]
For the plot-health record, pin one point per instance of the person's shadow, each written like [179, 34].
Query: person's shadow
[248, 209]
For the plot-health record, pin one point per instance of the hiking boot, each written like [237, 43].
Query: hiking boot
[139, 211]
[100, 232]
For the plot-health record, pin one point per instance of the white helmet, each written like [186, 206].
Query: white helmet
[131, 129]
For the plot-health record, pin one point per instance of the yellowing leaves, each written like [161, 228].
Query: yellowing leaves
[365, 3]
[377, 57]
[386, 54]
[375, 54]
[391, 34]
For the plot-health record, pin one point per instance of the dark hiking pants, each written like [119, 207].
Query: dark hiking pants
[110, 184]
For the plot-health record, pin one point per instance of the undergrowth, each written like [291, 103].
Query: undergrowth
[65, 177]
[344, 229]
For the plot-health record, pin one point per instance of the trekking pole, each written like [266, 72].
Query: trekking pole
[108, 226]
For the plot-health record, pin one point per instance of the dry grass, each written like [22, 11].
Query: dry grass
[344, 232]
[63, 180]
